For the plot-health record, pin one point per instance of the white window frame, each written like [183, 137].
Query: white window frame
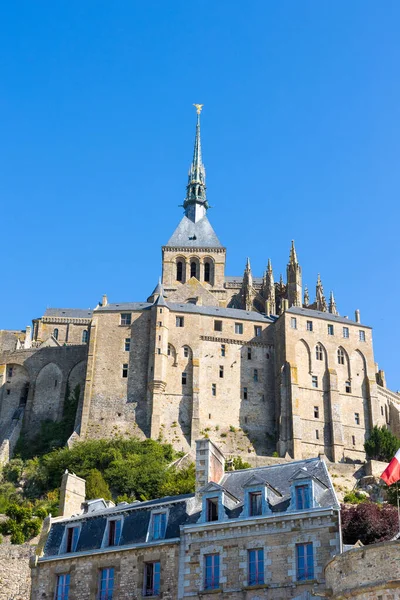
[150, 530]
[63, 545]
[104, 543]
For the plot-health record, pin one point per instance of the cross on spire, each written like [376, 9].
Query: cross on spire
[195, 203]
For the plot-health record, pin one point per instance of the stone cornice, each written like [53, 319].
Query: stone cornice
[221, 340]
[66, 320]
[193, 250]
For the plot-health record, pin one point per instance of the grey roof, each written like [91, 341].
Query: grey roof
[75, 313]
[308, 312]
[185, 509]
[194, 235]
[215, 311]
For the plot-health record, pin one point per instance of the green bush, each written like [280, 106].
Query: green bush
[96, 486]
[381, 444]
[354, 497]
[12, 471]
[237, 464]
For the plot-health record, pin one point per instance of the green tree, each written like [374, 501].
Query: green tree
[96, 486]
[382, 444]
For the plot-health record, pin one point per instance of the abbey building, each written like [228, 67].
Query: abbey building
[253, 363]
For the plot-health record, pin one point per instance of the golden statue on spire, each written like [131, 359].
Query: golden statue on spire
[198, 107]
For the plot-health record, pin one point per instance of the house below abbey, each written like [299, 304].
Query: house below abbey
[252, 362]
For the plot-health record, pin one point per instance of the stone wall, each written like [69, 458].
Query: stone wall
[15, 576]
[128, 567]
[368, 573]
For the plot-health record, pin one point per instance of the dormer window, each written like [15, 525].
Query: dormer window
[71, 540]
[302, 496]
[114, 532]
[158, 525]
[255, 504]
[212, 509]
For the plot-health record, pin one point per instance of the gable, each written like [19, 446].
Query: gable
[193, 289]
[194, 235]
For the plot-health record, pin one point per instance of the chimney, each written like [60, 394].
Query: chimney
[104, 301]
[357, 315]
[28, 337]
[210, 463]
[72, 494]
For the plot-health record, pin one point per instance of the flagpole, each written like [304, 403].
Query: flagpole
[398, 503]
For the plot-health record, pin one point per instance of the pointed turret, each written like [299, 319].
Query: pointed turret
[293, 271]
[195, 203]
[247, 291]
[320, 300]
[158, 291]
[306, 297]
[268, 290]
[332, 305]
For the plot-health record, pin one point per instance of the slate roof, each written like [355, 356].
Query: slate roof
[74, 313]
[232, 313]
[186, 509]
[308, 312]
[194, 235]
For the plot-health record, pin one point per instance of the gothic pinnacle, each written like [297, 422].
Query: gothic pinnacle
[293, 256]
[332, 305]
[195, 203]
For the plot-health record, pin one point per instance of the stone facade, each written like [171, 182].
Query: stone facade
[206, 353]
[367, 573]
[15, 575]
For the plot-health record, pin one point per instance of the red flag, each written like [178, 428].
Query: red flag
[392, 472]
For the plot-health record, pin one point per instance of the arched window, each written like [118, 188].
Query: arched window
[318, 352]
[340, 356]
[207, 271]
[193, 269]
[85, 336]
[179, 271]
[55, 334]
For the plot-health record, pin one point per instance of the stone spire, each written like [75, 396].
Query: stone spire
[293, 271]
[268, 290]
[195, 203]
[306, 297]
[332, 305]
[320, 299]
[248, 292]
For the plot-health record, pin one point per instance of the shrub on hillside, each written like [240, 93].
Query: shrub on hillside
[368, 522]
[381, 444]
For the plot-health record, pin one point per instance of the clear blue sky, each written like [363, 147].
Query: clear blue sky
[301, 139]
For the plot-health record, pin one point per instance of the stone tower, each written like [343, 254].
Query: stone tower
[293, 271]
[194, 258]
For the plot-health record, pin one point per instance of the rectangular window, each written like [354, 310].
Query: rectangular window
[381, 406]
[353, 439]
[361, 335]
[126, 318]
[239, 328]
[159, 525]
[316, 412]
[221, 371]
[314, 381]
[293, 323]
[214, 389]
[316, 434]
[186, 352]
[158, 350]
[348, 387]
[106, 584]
[309, 325]
[245, 393]
[357, 418]
[248, 353]
[184, 378]
[212, 509]
[9, 372]
[255, 375]
[179, 321]
[152, 579]
[217, 325]
[305, 562]
[127, 344]
[223, 350]
[211, 572]
[256, 567]
[345, 332]
[114, 532]
[302, 497]
[255, 504]
[257, 330]
[72, 539]
[125, 370]
[330, 329]
[62, 587]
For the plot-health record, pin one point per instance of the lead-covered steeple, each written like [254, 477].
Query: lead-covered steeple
[195, 203]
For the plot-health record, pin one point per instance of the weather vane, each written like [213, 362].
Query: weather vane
[198, 107]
